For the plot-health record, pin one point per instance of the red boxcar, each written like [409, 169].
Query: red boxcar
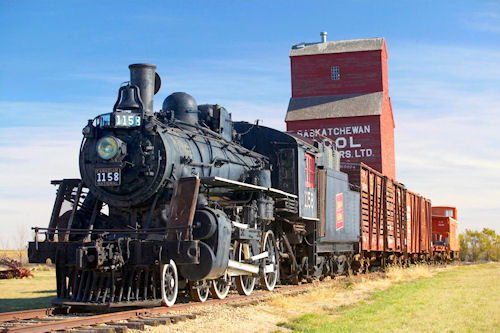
[445, 242]
[395, 223]
[419, 225]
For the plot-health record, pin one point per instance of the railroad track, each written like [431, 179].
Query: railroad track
[65, 318]
[54, 319]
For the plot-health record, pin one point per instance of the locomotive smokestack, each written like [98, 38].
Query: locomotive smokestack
[323, 36]
[143, 76]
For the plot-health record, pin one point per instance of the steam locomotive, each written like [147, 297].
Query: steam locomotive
[186, 200]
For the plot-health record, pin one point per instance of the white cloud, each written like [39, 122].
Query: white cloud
[30, 158]
[454, 161]
[42, 114]
[447, 129]
[485, 20]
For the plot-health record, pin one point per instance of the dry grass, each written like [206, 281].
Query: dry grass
[19, 255]
[396, 273]
[22, 256]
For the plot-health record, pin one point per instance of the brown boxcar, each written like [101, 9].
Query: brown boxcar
[382, 211]
[419, 224]
[395, 223]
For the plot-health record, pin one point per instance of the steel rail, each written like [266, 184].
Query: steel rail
[30, 314]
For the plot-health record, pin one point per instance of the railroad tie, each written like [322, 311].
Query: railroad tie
[103, 329]
[163, 321]
[148, 321]
[119, 328]
[168, 319]
[134, 325]
[96, 329]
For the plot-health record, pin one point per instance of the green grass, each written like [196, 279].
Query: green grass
[32, 293]
[460, 299]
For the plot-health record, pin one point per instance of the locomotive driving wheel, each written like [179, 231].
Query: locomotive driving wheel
[199, 290]
[244, 283]
[269, 277]
[169, 284]
[219, 288]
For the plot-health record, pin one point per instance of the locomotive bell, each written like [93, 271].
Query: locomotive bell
[128, 98]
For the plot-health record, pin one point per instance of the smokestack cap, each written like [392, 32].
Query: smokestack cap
[142, 66]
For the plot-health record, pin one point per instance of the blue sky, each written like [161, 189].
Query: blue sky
[61, 63]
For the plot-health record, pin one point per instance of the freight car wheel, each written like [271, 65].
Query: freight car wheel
[219, 288]
[169, 284]
[244, 283]
[271, 268]
[341, 263]
[199, 290]
[296, 280]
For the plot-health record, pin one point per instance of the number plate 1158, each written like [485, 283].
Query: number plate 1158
[108, 176]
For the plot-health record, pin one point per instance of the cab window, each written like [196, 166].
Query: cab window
[309, 168]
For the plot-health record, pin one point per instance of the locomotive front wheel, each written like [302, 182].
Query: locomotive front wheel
[169, 284]
[199, 290]
[244, 283]
[271, 268]
[219, 288]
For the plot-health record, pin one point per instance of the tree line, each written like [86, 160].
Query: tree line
[479, 245]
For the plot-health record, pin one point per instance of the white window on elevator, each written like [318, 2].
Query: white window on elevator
[335, 73]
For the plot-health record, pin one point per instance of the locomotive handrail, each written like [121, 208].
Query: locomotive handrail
[113, 230]
[224, 182]
[103, 232]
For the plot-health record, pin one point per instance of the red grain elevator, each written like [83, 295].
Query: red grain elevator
[340, 91]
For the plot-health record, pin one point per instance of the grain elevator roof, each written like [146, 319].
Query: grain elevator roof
[353, 45]
[335, 106]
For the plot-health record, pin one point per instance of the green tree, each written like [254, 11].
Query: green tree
[496, 251]
[464, 247]
[487, 242]
[479, 245]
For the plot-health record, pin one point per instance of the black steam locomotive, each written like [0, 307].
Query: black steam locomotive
[185, 199]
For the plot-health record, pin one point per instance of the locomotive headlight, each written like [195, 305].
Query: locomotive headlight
[107, 147]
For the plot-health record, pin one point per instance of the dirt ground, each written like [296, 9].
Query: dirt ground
[267, 314]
